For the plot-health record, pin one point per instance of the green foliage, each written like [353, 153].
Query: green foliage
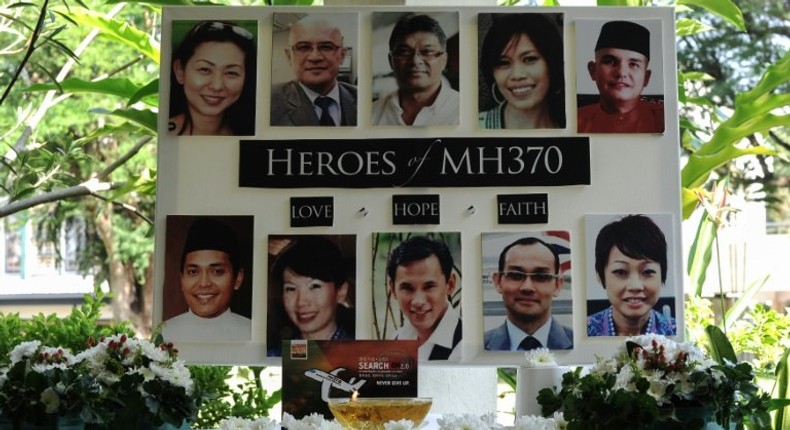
[247, 399]
[69, 332]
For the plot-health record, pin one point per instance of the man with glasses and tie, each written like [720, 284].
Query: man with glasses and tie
[315, 52]
[418, 56]
[528, 278]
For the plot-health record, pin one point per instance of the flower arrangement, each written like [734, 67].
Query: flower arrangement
[114, 383]
[654, 381]
[128, 379]
[447, 422]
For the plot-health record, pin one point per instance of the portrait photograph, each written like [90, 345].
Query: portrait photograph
[628, 264]
[415, 66]
[311, 289]
[314, 69]
[417, 291]
[207, 291]
[527, 294]
[521, 73]
[619, 76]
[213, 78]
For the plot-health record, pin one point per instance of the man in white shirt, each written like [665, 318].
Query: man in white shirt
[210, 274]
[528, 280]
[420, 276]
[418, 56]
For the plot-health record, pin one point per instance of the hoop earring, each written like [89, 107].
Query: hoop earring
[494, 95]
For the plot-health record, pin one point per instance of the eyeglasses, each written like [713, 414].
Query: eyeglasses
[222, 26]
[324, 48]
[518, 277]
[403, 54]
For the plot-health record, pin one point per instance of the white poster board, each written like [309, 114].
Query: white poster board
[629, 173]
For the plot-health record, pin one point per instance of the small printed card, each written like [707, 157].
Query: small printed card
[315, 370]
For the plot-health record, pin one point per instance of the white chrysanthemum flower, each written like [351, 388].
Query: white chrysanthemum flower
[330, 425]
[153, 352]
[604, 366]
[624, 380]
[264, 423]
[539, 357]
[50, 400]
[399, 425]
[532, 422]
[658, 388]
[467, 422]
[234, 423]
[23, 350]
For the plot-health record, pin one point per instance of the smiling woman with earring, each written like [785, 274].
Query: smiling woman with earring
[212, 81]
[521, 61]
[631, 265]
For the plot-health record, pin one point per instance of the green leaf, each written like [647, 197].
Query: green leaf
[781, 421]
[119, 31]
[688, 27]
[720, 347]
[700, 253]
[506, 377]
[161, 2]
[150, 89]
[146, 118]
[723, 8]
[699, 166]
[742, 304]
[621, 3]
[123, 88]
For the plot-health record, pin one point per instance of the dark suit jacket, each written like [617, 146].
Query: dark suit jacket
[560, 337]
[291, 106]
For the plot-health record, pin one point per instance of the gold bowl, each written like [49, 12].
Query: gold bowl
[372, 412]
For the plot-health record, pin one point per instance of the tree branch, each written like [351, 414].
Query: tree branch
[104, 173]
[86, 188]
[32, 47]
[92, 186]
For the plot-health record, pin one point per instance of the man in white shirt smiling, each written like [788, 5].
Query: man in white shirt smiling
[418, 56]
[211, 273]
[421, 278]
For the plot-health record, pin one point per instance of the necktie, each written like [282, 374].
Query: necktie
[528, 343]
[324, 103]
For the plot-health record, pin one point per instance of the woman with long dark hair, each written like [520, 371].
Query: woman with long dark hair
[212, 81]
[521, 62]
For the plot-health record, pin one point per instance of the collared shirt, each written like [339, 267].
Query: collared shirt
[334, 108]
[602, 324]
[443, 111]
[492, 118]
[228, 327]
[442, 335]
[646, 117]
[516, 335]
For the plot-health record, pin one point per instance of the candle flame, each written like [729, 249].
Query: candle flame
[354, 395]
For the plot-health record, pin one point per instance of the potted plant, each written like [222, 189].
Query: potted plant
[654, 382]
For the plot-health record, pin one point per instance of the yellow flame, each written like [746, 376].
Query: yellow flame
[354, 395]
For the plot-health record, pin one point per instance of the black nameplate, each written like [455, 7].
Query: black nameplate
[415, 209]
[522, 208]
[430, 162]
[312, 211]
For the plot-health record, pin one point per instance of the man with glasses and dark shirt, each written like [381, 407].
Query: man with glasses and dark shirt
[528, 279]
[315, 52]
[418, 56]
